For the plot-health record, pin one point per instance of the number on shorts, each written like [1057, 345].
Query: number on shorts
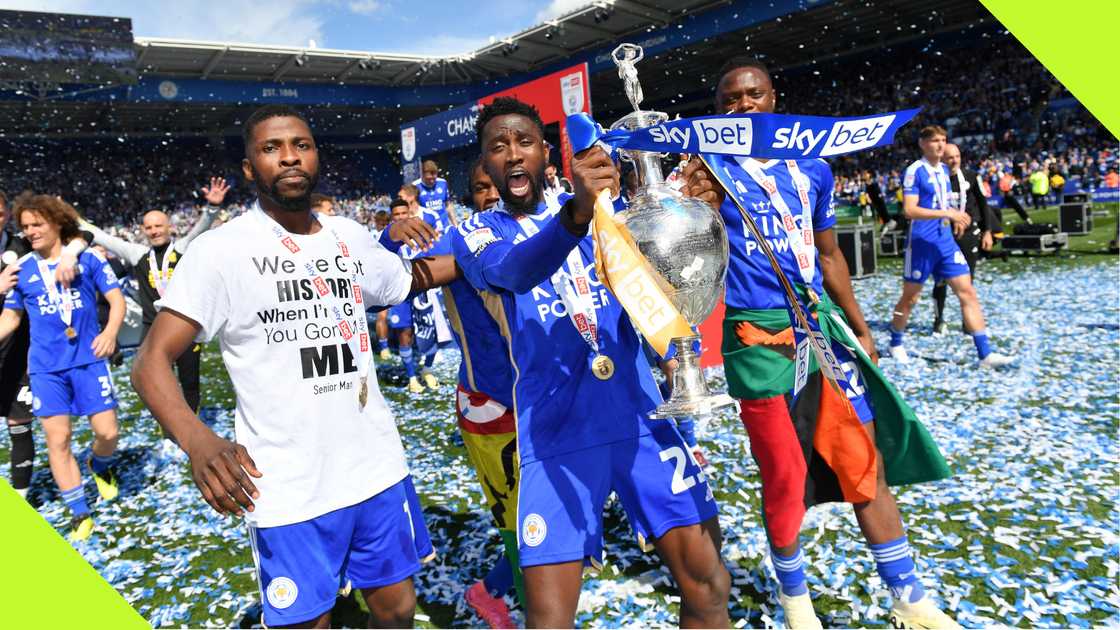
[24, 395]
[680, 482]
[106, 385]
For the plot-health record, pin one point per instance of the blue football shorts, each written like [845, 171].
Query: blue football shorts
[942, 259]
[78, 391]
[561, 498]
[400, 316]
[302, 566]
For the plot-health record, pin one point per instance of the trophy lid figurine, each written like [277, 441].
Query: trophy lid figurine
[684, 242]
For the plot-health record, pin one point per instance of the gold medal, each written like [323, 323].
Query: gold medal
[602, 367]
[363, 393]
[70, 332]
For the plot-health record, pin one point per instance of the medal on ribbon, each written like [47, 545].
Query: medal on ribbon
[356, 337]
[573, 287]
[62, 298]
[161, 276]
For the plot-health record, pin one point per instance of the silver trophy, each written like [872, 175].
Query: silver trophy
[685, 242]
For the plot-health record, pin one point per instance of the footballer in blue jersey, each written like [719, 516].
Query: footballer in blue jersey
[399, 317]
[67, 359]
[434, 197]
[484, 411]
[759, 350]
[933, 250]
[581, 400]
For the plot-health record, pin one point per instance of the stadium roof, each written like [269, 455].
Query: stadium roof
[830, 31]
[676, 77]
[553, 41]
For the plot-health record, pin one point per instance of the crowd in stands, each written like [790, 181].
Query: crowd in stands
[1009, 115]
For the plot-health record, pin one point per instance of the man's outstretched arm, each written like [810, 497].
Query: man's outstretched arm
[433, 272]
[214, 194]
[221, 469]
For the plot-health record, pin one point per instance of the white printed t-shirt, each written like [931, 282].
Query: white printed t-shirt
[296, 382]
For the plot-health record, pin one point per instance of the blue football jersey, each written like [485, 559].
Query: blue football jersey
[434, 202]
[560, 405]
[485, 365]
[932, 186]
[51, 350]
[751, 283]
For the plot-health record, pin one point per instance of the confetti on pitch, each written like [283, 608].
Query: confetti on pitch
[1023, 534]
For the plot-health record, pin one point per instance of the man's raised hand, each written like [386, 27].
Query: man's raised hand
[415, 233]
[592, 172]
[215, 193]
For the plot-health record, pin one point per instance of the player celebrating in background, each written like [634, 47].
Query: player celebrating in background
[15, 388]
[786, 198]
[319, 465]
[399, 318]
[424, 311]
[484, 408]
[434, 196]
[968, 196]
[932, 250]
[583, 389]
[155, 264]
[66, 362]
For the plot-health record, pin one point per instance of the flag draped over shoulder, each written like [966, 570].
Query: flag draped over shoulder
[759, 342]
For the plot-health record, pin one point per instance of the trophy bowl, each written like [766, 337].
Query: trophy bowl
[683, 240]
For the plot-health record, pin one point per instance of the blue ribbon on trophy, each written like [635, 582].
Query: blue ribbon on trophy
[719, 139]
[774, 136]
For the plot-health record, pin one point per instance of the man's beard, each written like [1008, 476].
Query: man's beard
[529, 205]
[301, 203]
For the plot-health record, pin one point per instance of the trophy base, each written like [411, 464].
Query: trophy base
[694, 408]
[691, 396]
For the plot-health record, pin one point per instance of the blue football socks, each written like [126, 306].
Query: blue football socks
[407, 359]
[500, 579]
[896, 566]
[983, 347]
[896, 337]
[75, 500]
[791, 572]
[100, 464]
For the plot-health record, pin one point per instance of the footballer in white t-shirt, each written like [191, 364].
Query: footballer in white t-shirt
[317, 469]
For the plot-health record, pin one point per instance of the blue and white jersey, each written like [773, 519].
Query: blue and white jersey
[932, 186]
[434, 202]
[485, 367]
[559, 403]
[751, 283]
[51, 350]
